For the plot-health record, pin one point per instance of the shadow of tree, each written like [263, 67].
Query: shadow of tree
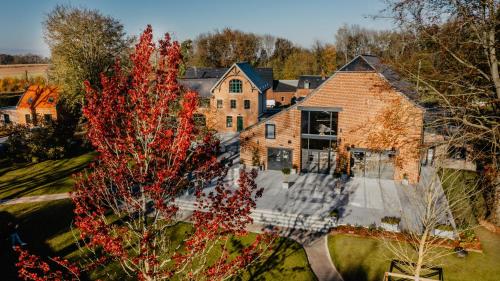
[273, 264]
[52, 175]
[37, 224]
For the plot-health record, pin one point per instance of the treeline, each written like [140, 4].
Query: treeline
[222, 48]
[22, 59]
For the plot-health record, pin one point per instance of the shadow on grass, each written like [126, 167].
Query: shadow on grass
[37, 224]
[272, 267]
[18, 180]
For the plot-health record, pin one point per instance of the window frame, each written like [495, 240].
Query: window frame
[47, 118]
[267, 131]
[235, 86]
[220, 104]
[246, 104]
[27, 118]
[229, 121]
[6, 118]
[231, 102]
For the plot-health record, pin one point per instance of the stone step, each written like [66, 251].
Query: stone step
[270, 217]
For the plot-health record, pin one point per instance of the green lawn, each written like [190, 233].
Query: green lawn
[48, 177]
[366, 259]
[46, 229]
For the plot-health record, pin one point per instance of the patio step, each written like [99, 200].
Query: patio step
[293, 221]
[277, 218]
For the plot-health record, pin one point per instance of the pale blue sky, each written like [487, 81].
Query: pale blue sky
[301, 21]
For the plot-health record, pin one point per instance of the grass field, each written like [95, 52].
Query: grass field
[46, 229]
[19, 70]
[366, 259]
[48, 177]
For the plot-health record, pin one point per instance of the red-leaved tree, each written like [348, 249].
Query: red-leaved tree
[150, 153]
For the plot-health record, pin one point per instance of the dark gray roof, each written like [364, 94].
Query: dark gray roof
[200, 85]
[204, 72]
[258, 81]
[314, 81]
[373, 63]
[285, 85]
[212, 72]
[262, 75]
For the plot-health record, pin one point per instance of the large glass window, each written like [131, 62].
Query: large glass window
[318, 155]
[235, 86]
[270, 131]
[323, 123]
[200, 120]
[204, 102]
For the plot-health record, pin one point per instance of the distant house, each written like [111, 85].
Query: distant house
[231, 99]
[283, 93]
[307, 83]
[37, 104]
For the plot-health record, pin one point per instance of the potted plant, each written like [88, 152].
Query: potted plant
[295, 169]
[255, 157]
[404, 181]
[444, 231]
[286, 174]
[390, 223]
[335, 215]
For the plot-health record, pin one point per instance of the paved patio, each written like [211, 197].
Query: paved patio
[360, 201]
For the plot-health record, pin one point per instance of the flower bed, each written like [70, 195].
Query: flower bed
[378, 233]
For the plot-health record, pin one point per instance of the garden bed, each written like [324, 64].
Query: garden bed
[377, 233]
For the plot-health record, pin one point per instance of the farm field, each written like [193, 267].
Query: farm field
[19, 70]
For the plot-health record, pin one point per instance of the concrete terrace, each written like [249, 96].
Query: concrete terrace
[360, 201]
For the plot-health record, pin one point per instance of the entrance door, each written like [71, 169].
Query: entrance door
[318, 156]
[373, 164]
[239, 123]
[278, 158]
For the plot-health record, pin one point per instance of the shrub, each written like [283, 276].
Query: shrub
[444, 227]
[391, 220]
[334, 213]
[255, 157]
[285, 171]
[45, 142]
[468, 235]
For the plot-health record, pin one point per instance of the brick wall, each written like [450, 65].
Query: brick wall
[373, 116]
[282, 98]
[216, 117]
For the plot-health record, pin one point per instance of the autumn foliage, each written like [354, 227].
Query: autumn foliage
[150, 153]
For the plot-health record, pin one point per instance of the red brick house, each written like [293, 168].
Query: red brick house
[363, 120]
[37, 104]
[232, 99]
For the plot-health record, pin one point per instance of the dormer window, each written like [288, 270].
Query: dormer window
[235, 86]
[50, 99]
[30, 100]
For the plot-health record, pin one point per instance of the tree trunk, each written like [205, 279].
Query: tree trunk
[493, 62]
[421, 249]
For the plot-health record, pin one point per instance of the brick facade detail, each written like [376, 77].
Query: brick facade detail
[373, 115]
